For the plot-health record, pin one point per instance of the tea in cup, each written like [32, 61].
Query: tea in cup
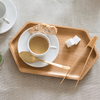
[38, 44]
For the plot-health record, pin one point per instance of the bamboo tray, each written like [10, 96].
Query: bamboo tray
[66, 56]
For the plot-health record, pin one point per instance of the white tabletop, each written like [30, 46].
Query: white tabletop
[15, 85]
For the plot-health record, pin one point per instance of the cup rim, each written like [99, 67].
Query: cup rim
[39, 34]
[5, 10]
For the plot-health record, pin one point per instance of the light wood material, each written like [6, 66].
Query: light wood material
[91, 44]
[66, 56]
[72, 66]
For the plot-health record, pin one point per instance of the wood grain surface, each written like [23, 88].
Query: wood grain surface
[66, 56]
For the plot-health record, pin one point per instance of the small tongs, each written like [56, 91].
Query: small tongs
[91, 45]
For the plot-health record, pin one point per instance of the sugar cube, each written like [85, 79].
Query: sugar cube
[69, 42]
[76, 39]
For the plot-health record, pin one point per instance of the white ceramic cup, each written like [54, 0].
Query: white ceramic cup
[3, 12]
[44, 36]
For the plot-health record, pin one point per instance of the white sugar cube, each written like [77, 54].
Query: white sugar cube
[69, 42]
[76, 39]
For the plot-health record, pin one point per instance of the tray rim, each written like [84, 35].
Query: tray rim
[59, 76]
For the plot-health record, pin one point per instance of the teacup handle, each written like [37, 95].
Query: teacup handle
[53, 47]
[6, 20]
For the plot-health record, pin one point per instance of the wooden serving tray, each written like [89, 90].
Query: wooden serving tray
[66, 56]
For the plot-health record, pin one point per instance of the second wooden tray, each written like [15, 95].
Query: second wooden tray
[66, 56]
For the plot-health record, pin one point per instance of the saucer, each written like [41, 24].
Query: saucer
[11, 16]
[49, 56]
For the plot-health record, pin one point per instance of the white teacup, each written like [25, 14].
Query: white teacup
[3, 11]
[49, 45]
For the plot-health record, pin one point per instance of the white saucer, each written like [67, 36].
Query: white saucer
[51, 54]
[11, 16]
